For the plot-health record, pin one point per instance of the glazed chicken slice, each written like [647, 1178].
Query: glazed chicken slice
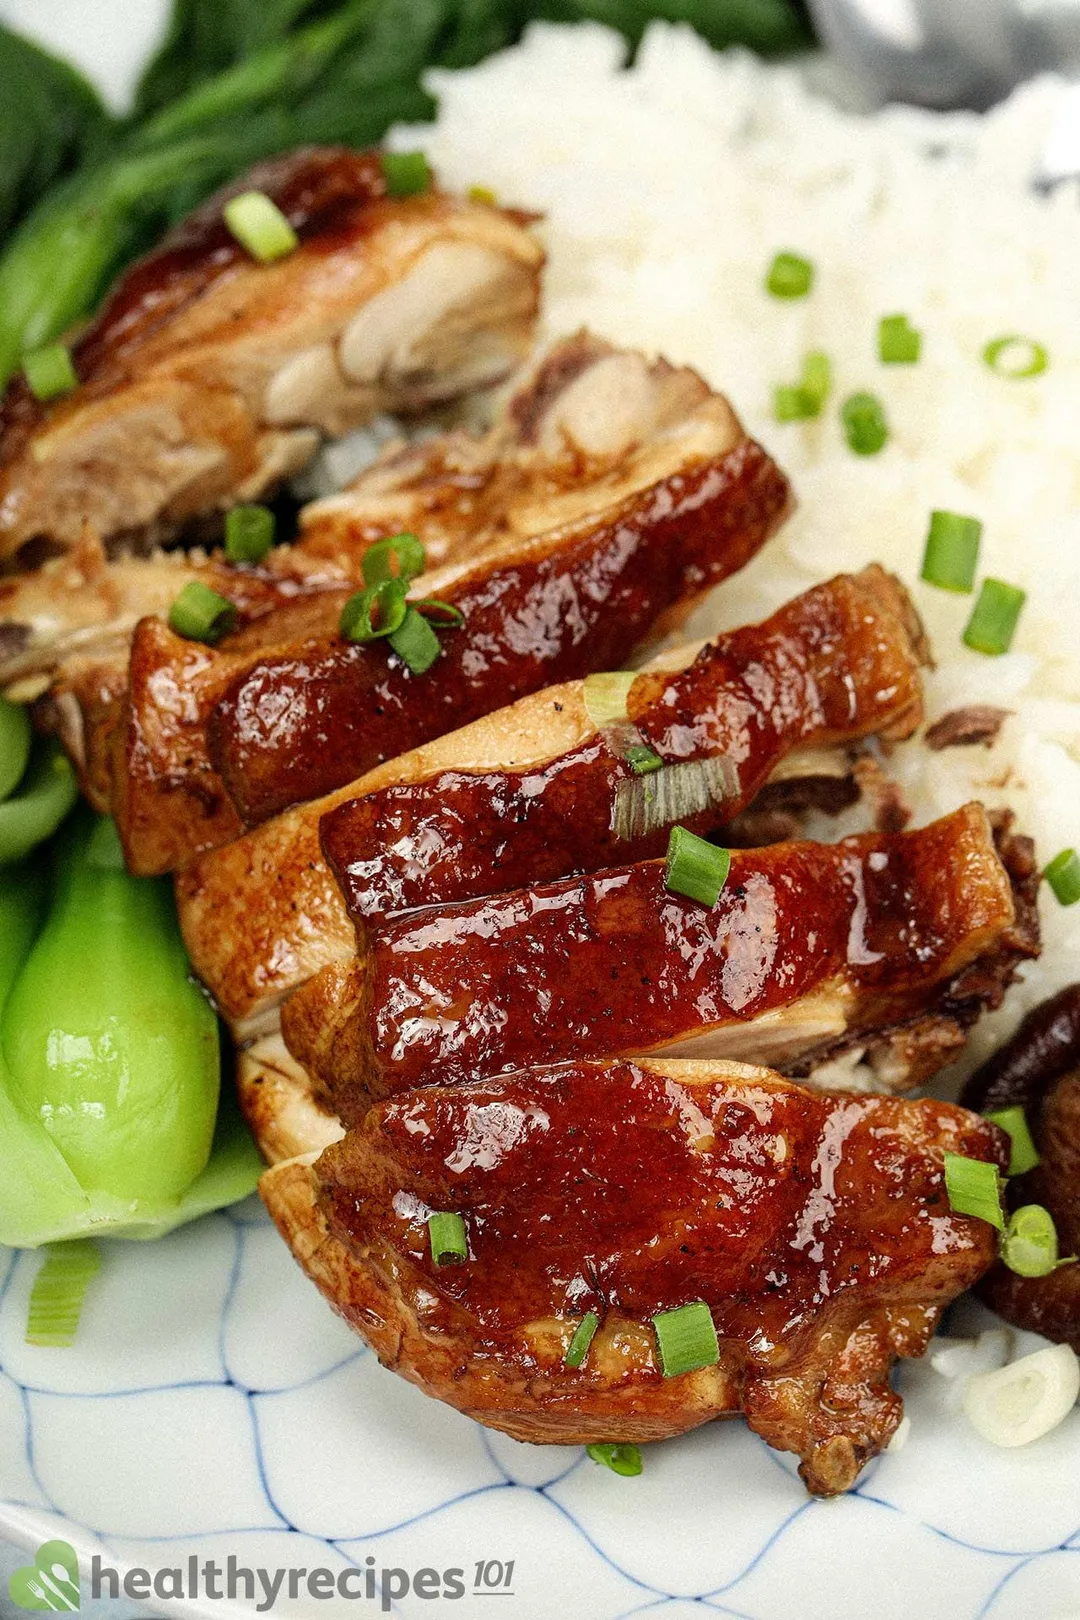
[891, 943]
[215, 737]
[207, 378]
[527, 793]
[814, 1230]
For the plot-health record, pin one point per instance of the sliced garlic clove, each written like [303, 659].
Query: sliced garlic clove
[1026, 1399]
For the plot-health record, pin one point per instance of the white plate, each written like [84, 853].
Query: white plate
[213, 1406]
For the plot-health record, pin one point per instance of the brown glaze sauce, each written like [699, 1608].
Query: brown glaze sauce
[616, 1188]
[322, 191]
[615, 964]
[829, 665]
[301, 725]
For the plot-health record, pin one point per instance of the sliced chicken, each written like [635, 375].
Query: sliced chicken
[527, 793]
[891, 942]
[814, 1231]
[207, 378]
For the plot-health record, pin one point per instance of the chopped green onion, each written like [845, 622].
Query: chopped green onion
[621, 1459]
[1016, 357]
[406, 173]
[484, 195]
[377, 611]
[445, 614]
[1023, 1154]
[994, 618]
[1063, 876]
[686, 1338]
[606, 696]
[1030, 1244]
[584, 1334]
[899, 343]
[642, 759]
[816, 381]
[446, 1233]
[672, 794]
[16, 734]
[865, 427]
[249, 533]
[800, 401]
[56, 1299]
[403, 550]
[952, 551]
[790, 276]
[49, 371]
[259, 225]
[201, 614]
[695, 868]
[415, 642]
[974, 1188]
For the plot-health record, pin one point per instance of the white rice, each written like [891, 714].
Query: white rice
[667, 189]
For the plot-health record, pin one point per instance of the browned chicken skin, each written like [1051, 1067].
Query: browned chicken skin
[207, 377]
[815, 1228]
[810, 948]
[514, 797]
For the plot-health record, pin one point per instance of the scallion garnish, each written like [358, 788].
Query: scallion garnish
[1023, 1154]
[446, 1233]
[1030, 1244]
[802, 400]
[899, 343]
[377, 611]
[1016, 357]
[694, 867]
[686, 1338]
[406, 173]
[974, 1188]
[790, 276]
[606, 696]
[56, 1299]
[994, 618]
[446, 615]
[249, 533]
[584, 1334]
[865, 427]
[414, 641]
[200, 614]
[672, 794]
[1063, 876]
[952, 551]
[399, 556]
[791, 404]
[483, 195]
[643, 760]
[259, 225]
[49, 371]
[624, 1459]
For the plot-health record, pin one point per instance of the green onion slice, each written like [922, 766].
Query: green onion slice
[621, 1459]
[1063, 876]
[15, 736]
[584, 1334]
[899, 343]
[446, 1233]
[201, 614]
[974, 1188]
[1023, 1154]
[377, 611]
[994, 617]
[49, 371]
[606, 696]
[1016, 357]
[952, 551]
[1030, 1244]
[399, 555]
[686, 1338]
[56, 1299]
[694, 867]
[671, 794]
[446, 615]
[406, 173]
[865, 427]
[798, 402]
[790, 276]
[259, 225]
[642, 759]
[415, 642]
[249, 533]
[484, 195]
